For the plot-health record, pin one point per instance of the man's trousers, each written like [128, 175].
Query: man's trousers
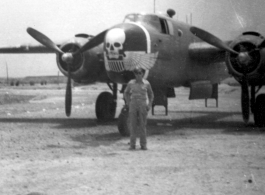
[137, 119]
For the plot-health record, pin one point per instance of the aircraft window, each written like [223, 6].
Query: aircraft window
[151, 21]
[170, 27]
[164, 26]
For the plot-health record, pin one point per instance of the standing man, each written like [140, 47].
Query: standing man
[138, 97]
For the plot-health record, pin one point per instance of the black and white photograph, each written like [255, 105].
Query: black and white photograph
[126, 97]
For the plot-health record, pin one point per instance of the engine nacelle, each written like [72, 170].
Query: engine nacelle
[87, 67]
[249, 43]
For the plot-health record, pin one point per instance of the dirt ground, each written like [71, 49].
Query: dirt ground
[193, 150]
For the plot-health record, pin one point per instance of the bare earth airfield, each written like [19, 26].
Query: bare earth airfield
[193, 150]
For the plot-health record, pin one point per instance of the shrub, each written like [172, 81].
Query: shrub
[17, 83]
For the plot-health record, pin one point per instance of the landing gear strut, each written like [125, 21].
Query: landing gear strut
[258, 107]
[259, 110]
[106, 104]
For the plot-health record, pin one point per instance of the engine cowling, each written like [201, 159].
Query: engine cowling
[249, 43]
[77, 69]
[87, 66]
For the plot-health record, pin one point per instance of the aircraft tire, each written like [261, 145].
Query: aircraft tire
[105, 106]
[123, 122]
[259, 114]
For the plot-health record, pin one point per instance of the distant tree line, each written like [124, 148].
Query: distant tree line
[34, 80]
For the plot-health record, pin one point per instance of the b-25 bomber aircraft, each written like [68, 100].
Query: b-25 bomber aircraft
[171, 52]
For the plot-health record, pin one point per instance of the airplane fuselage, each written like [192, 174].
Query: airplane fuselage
[161, 46]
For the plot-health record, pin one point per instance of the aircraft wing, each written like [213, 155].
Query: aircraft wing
[206, 52]
[26, 49]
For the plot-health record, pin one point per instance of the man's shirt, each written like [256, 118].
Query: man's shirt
[138, 91]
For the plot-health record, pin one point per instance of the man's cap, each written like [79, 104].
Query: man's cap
[138, 70]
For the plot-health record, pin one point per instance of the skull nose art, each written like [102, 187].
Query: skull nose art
[115, 39]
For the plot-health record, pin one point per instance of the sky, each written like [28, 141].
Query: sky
[62, 19]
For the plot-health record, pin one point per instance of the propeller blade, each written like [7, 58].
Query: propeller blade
[211, 39]
[43, 39]
[245, 99]
[92, 43]
[68, 94]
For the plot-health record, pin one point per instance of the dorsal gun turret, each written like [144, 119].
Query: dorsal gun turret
[171, 13]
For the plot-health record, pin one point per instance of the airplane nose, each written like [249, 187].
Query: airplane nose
[126, 47]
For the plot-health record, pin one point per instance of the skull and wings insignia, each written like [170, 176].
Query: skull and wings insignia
[139, 60]
[117, 59]
[130, 61]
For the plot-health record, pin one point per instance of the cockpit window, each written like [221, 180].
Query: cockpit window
[164, 26]
[151, 21]
[158, 24]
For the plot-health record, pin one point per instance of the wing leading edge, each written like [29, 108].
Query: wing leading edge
[26, 49]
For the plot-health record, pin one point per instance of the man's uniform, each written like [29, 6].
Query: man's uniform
[136, 96]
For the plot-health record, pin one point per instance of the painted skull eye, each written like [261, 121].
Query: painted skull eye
[116, 44]
[107, 45]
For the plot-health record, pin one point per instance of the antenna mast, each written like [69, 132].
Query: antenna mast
[154, 6]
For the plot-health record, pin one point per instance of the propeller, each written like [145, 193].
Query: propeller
[66, 57]
[44, 40]
[92, 43]
[243, 57]
[68, 93]
[211, 39]
[245, 99]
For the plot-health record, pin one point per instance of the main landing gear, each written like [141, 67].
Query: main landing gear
[257, 105]
[106, 104]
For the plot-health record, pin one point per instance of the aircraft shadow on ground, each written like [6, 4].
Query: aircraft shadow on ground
[199, 123]
[217, 122]
[200, 120]
[63, 123]
[204, 123]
